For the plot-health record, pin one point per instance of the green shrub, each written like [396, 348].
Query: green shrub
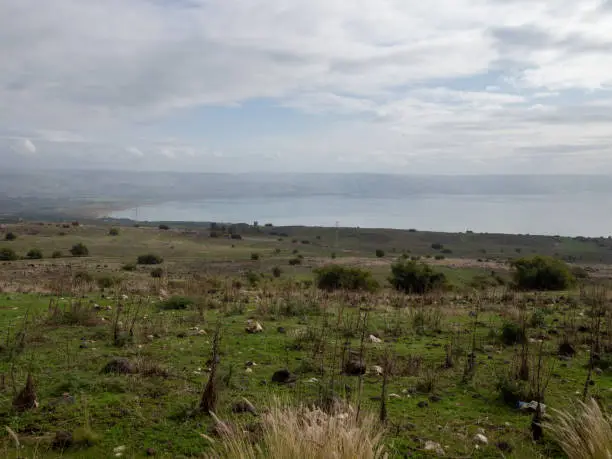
[512, 334]
[252, 278]
[79, 250]
[57, 254]
[10, 236]
[447, 251]
[254, 256]
[276, 271]
[412, 277]
[437, 246]
[336, 277]
[439, 257]
[7, 254]
[542, 273]
[150, 259]
[106, 281]
[83, 277]
[333, 255]
[113, 232]
[164, 227]
[380, 253]
[176, 303]
[295, 261]
[34, 254]
[156, 273]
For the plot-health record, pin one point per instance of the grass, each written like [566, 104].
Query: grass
[64, 332]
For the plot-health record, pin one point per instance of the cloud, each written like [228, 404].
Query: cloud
[24, 147]
[473, 83]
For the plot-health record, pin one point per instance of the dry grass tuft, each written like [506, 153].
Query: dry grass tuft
[584, 435]
[305, 433]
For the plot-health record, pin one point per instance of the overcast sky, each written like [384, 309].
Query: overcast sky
[447, 86]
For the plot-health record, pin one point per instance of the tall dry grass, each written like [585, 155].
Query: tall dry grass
[303, 433]
[587, 434]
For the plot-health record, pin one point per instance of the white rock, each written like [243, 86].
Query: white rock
[313, 380]
[394, 396]
[253, 326]
[248, 370]
[124, 297]
[435, 447]
[480, 438]
[374, 339]
[377, 370]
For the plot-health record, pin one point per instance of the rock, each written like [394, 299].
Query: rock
[488, 348]
[504, 446]
[566, 350]
[62, 440]
[119, 450]
[480, 438]
[313, 381]
[435, 447]
[377, 370]
[244, 406]
[355, 366]
[250, 364]
[423, 404]
[248, 370]
[119, 366]
[435, 398]
[598, 371]
[283, 376]
[253, 327]
[394, 396]
[531, 407]
[150, 452]
[374, 339]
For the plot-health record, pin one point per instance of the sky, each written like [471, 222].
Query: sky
[390, 86]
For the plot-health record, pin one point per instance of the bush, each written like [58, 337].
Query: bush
[10, 236]
[156, 273]
[57, 254]
[412, 277]
[439, 257]
[106, 281]
[150, 259]
[437, 246]
[254, 256]
[34, 254]
[83, 277]
[380, 253]
[236, 236]
[295, 261]
[512, 334]
[79, 250]
[113, 232]
[447, 251]
[7, 254]
[164, 227]
[336, 277]
[176, 303]
[276, 271]
[542, 273]
[214, 234]
[129, 267]
[333, 255]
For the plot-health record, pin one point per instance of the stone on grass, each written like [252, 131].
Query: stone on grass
[434, 447]
[375, 340]
[480, 438]
[283, 376]
[253, 326]
[119, 366]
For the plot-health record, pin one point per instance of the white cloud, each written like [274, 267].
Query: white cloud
[468, 82]
[24, 147]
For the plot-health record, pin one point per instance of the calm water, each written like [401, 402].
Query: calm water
[587, 214]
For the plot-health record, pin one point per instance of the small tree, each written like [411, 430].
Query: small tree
[34, 254]
[409, 276]
[7, 254]
[79, 250]
[254, 256]
[437, 246]
[150, 259]
[380, 253]
[56, 254]
[157, 273]
[164, 227]
[336, 277]
[542, 273]
[276, 271]
[113, 232]
[10, 236]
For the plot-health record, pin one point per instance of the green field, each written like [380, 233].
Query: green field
[447, 358]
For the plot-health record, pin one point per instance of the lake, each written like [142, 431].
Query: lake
[577, 214]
